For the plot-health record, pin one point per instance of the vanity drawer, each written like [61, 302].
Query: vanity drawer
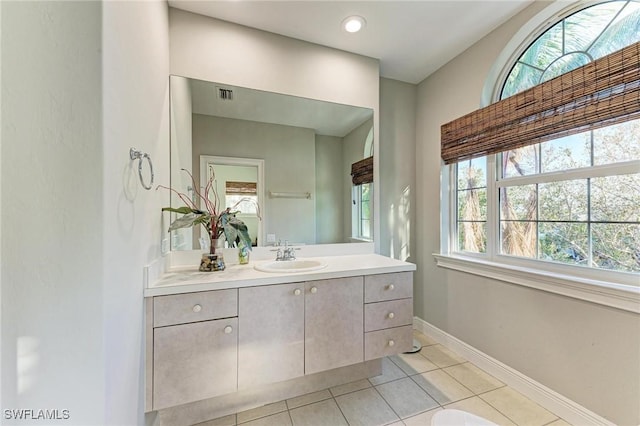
[388, 287]
[194, 307]
[381, 343]
[393, 313]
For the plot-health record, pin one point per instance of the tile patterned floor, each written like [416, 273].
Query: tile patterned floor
[410, 390]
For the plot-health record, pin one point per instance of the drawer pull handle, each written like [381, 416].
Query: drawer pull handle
[297, 292]
[391, 315]
[228, 329]
[391, 343]
[197, 308]
[390, 287]
[314, 290]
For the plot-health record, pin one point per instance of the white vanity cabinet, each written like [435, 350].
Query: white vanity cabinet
[388, 314]
[289, 330]
[271, 336]
[242, 342]
[195, 347]
[333, 323]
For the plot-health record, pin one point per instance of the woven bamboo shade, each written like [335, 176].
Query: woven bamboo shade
[601, 93]
[241, 188]
[362, 171]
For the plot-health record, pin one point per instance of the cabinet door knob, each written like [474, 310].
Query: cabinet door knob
[228, 329]
[390, 287]
[314, 290]
[197, 308]
[391, 343]
[297, 292]
[391, 315]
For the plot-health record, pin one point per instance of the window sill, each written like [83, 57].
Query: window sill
[620, 296]
[360, 240]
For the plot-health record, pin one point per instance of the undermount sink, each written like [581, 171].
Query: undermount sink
[298, 265]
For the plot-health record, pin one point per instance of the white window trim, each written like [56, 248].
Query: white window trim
[606, 170]
[620, 296]
[608, 288]
[615, 289]
[356, 214]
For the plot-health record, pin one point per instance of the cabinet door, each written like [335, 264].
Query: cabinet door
[271, 334]
[334, 325]
[194, 361]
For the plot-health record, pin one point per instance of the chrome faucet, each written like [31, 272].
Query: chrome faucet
[289, 253]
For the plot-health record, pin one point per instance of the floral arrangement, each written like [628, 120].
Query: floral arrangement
[216, 221]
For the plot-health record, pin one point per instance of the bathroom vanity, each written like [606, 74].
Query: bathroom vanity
[215, 338]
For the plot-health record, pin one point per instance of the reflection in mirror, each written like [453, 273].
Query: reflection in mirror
[238, 184]
[307, 148]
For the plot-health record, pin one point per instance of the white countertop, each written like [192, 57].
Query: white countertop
[187, 280]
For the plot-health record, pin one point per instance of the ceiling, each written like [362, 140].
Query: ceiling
[412, 39]
[325, 118]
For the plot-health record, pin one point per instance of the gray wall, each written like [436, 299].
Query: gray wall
[289, 166]
[587, 352]
[330, 203]
[398, 186]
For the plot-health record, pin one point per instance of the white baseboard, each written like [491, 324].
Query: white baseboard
[561, 406]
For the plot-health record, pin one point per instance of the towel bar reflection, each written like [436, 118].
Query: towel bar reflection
[273, 194]
[139, 155]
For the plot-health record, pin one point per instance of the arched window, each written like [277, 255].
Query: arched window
[575, 41]
[573, 200]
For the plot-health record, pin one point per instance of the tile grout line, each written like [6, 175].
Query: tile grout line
[419, 387]
[406, 375]
[425, 391]
[496, 408]
[387, 402]
[289, 413]
[339, 408]
[459, 382]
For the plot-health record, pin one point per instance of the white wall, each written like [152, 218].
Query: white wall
[53, 353]
[214, 50]
[82, 83]
[136, 113]
[289, 219]
[1, 341]
[181, 239]
[586, 352]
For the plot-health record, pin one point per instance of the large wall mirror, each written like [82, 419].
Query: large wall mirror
[297, 153]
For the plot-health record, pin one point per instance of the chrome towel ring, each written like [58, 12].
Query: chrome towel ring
[139, 155]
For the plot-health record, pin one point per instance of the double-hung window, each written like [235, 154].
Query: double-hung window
[362, 210]
[568, 197]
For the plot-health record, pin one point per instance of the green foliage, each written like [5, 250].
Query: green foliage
[234, 230]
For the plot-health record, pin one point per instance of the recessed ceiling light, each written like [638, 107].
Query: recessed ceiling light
[353, 24]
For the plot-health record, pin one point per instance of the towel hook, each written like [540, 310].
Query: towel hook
[139, 155]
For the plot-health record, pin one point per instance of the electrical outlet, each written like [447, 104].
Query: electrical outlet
[271, 238]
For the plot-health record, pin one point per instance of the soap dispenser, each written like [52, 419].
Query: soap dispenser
[243, 253]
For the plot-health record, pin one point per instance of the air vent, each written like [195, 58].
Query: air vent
[224, 94]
